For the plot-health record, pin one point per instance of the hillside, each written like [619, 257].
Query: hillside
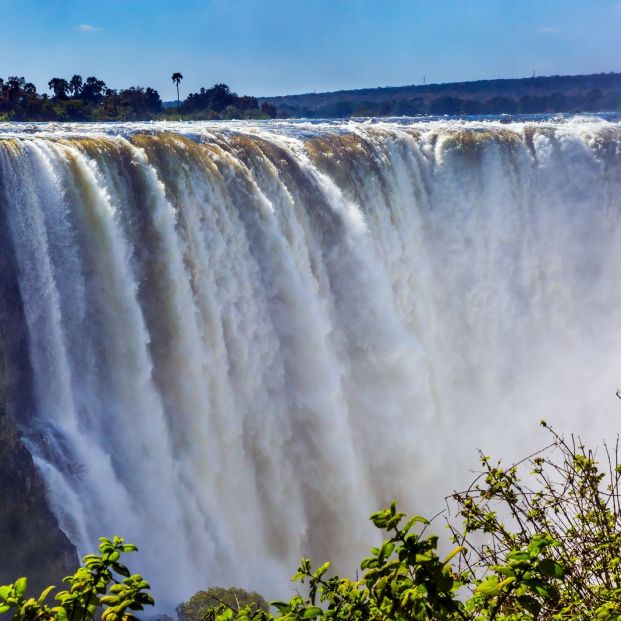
[579, 93]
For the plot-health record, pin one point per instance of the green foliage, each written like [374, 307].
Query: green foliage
[561, 493]
[540, 540]
[405, 579]
[551, 551]
[202, 605]
[549, 94]
[102, 588]
[219, 102]
[92, 100]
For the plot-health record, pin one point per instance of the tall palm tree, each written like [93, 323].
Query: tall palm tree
[176, 78]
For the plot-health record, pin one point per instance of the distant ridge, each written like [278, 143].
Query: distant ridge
[568, 93]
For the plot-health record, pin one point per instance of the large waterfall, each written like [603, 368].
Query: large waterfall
[242, 338]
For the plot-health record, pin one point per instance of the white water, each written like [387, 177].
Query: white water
[244, 338]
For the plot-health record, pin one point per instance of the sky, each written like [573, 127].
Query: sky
[276, 47]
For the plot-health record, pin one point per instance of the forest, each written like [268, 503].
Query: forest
[90, 99]
[535, 95]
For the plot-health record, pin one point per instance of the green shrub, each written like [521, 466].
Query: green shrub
[103, 587]
[540, 540]
[551, 532]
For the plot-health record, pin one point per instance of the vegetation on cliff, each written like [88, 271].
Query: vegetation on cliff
[540, 540]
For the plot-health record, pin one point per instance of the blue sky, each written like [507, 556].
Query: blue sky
[271, 47]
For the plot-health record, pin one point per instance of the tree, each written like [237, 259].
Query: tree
[220, 97]
[176, 78]
[135, 102]
[30, 89]
[15, 87]
[93, 90]
[198, 606]
[75, 85]
[59, 87]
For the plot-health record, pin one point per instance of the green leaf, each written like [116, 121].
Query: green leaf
[225, 615]
[506, 582]
[489, 587]
[4, 608]
[109, 600]
[312, 611]
[542, 589]
[20, 586]
[61, 613]
[145, 598]
[551, 569]
[44, 594]
[322, 570]
[121, 569]
[281, 606]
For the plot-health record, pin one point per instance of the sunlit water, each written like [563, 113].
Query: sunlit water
[245, 337]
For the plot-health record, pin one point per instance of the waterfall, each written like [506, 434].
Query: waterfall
[245, 337]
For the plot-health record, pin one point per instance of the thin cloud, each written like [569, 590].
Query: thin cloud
[86, 28]
[550, 29]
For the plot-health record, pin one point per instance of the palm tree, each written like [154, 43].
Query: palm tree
[176, 78]
[60, 87]
[75, 85]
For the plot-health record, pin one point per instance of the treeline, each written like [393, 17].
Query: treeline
[550, 94]
[593, 101]
[218, 102]
[91, 99]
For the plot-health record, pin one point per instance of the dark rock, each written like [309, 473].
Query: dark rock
[31, 542]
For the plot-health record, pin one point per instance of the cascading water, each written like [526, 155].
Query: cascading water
[243, 338]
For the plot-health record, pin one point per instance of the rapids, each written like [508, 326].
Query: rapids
[242, 338]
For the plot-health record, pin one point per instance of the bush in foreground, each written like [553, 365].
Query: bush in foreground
[102, 588]
[541, 540]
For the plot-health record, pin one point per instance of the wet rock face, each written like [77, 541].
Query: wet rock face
[31, 542]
